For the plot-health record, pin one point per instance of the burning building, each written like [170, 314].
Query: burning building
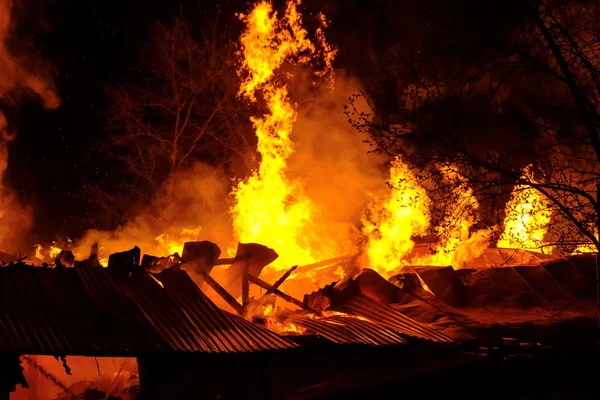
[309, 264]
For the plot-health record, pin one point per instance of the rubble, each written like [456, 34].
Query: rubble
[513, 307]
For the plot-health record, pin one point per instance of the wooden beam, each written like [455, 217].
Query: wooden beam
[223, 293]
[225, 261]
[277, 292]
[281, 280]
[245, 285]
[325, 263]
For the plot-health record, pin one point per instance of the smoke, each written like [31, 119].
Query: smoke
[198, 210]
[332, 160]
[16, 71]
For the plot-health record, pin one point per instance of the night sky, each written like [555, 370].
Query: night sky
[91, 45]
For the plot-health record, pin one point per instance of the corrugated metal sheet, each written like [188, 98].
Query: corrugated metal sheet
[82, 311]
[112, 303]
[224, 331]
[48, 312]
[346, 330]
[386, 316]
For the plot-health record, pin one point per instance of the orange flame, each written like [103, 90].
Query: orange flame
[456, 243]
[268, 312]
[48, 254]
[391, 222]
[586, 248]
[270, 208]
[527, 217]
[171, 243]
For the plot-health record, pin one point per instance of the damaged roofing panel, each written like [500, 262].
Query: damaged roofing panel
[83, 311]
[112, 303]
[224, 332]
[386, 316]
[48, 312]
[345, 330]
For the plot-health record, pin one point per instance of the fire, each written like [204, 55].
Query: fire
[329, 314]
[586, 248]
[268, 313]
[49, 253]
[171, 243]
[391, 222]
[456, 243]
[270, 208]
[268, 310]
[327, 51]
[527, 217]
[458, 222]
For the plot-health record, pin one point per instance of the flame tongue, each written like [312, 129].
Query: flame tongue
[528, 214]
[271, 208]
[391, 222]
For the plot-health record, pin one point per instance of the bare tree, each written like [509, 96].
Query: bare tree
[180, 108]
[531, 98]
[526, 92]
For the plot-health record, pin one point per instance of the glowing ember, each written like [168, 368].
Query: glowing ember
[329, 314]
[527, 216]
[270, 208]
[157, 281]
[391, 222]
[268, 314]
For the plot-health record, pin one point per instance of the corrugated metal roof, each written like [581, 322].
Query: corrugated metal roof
[346, 330]
[112, 304]
[386, 316]
[46, 311]
[82, 311]
[224, 331]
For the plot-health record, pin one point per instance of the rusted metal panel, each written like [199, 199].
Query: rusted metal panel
[82, 311]
[113, 304]
[226, 332]
[348, 329]
[386, 316]
[48, 312]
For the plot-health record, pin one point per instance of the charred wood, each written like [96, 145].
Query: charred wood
[201, 256]
[286, 297]
[250, 258]
[92, 260]
[123, 264]
[280, 281]
[157, 264]
[66, 258]
[255, 256]
[222, 292]
[245, 285]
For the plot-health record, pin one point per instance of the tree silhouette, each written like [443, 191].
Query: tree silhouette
[489, 100]
[180, 107]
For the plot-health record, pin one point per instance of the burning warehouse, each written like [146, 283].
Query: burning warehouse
[298, 199]
[426, 319]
